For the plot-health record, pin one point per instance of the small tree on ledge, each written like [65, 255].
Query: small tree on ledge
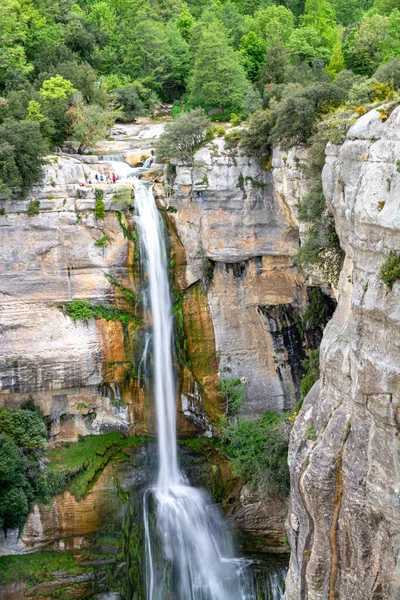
[183, 136]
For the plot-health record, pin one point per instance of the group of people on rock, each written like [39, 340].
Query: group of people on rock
[107, 178]
[99, 177]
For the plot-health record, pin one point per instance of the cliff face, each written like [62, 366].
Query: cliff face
[344, 525]
[237, 222]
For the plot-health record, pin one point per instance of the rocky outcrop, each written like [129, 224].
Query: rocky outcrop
[237, 222]
[344, 525]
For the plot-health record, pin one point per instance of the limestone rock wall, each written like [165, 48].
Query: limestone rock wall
[237, 223]
[344, 525]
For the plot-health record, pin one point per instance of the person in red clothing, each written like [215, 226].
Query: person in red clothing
[114, 177]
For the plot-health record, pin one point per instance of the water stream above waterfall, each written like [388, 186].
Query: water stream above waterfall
[189, 554]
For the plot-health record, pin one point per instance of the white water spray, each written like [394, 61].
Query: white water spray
[188, 556]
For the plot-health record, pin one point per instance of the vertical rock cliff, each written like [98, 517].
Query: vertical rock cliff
[344, 517]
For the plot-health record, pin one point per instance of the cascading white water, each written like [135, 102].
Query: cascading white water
[188, 555]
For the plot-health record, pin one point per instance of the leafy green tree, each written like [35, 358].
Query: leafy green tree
[21, 149]
[13, 34]
[177, 60]
[129, 101]
[320, 15]
[233, 22]
[252, 101]
[298, 112]
[185, 22]
[15, 491]
[25, 427]
[273, 24]
[305, 45]
[218, 78]
[253, 50]
[364, 45]
[275, 66]
[336, 62]
[56, 88]
[91, 123]
[182, 137]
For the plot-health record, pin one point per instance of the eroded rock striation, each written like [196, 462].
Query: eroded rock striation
[344, 519]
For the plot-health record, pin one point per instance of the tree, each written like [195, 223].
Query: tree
[298, 112]
[91, 123]
[182, 137]
[25, 427]
[320, 15]
[233, 22]
[253, 50]
[56, 88]
[305, 45]
[177, 60]
[185, 22]
[252, 101]
[364, 45]
[274, 68]
[336, 63]
[218, 79]
[129, 101]
[21, 149]
[274, 23]
[15, 491]
[389, 73]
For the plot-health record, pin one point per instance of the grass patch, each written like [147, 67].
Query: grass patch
[80, 463]
[38, 567]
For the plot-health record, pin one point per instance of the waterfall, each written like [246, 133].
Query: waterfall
[111, 158]
[188, 554]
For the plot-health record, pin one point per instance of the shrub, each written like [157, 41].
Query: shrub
[33, 208]
[234, 392]
[369, 90]
[390, 270]
[235, 120]
[256, 139]
[389, 73]
[128, 99]
[232, 139]
[258, 450]
[99, 210]
[183, 136]
[298, 112]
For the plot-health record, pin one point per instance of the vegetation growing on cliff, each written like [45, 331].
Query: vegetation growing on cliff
[390, 270]
[257, 450]
[80, 310]
[23, 479]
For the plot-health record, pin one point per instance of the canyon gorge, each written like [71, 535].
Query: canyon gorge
[239, 302]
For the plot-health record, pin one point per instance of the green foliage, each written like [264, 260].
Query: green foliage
[91, 123]
[130, 295]
[389, 73]
[25, 427]
[256, 139]
[317, 310]
[257, 449]
[311, 366]
[234, 392]
[99, 209]
[22, 441]
[56, 88]
[182, 137]
[218, 80]
[390, 270]
[33, 208]
[21, 148]
[102, 242]
[80, 310]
